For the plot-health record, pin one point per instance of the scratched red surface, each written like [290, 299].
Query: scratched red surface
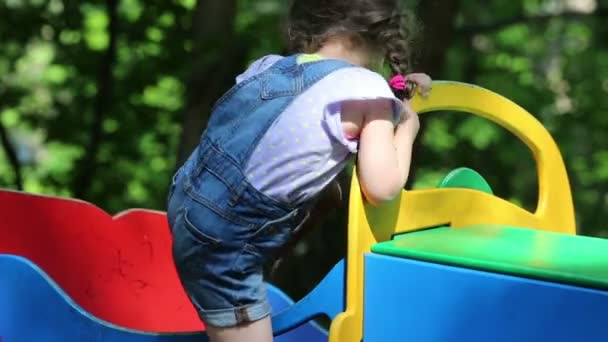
[118, 268]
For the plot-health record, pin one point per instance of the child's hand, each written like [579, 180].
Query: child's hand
[422, 81]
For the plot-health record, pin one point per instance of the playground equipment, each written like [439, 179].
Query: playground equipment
[455, 263]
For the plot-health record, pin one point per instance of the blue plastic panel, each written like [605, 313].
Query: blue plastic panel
[407, 300]
[33, 308]
[327, 298]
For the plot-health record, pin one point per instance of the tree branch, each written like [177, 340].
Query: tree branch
[11, 154]
[103, 103]
[538, 19]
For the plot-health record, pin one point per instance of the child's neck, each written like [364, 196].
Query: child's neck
[338, 49]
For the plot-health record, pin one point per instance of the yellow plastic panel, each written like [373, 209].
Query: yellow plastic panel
[418, 209]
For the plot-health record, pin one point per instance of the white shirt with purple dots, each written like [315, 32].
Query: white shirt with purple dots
[306, 148]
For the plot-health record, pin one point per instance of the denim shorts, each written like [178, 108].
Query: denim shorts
[220, 254]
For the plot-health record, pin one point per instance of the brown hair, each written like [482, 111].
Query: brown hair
[381, 25]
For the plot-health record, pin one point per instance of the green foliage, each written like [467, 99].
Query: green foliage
[556, 68]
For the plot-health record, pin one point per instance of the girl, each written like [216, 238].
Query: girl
[276, 140]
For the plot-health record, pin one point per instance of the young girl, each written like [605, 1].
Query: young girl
[276, 140]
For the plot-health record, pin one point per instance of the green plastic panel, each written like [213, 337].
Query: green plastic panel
[465, 178]
[528, 253]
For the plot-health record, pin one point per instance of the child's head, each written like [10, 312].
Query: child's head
[380, 28]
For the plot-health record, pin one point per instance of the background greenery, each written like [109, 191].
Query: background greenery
[100, 99]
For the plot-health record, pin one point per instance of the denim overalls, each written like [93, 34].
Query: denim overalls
[224, 230]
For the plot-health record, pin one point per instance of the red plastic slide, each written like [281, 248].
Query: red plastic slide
[119, 268]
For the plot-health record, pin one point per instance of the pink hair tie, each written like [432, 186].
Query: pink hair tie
[401, 87]
[398, 82]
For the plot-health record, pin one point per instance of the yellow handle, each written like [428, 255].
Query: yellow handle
[554, 205]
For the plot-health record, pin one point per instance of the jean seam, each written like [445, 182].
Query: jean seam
[220, 212]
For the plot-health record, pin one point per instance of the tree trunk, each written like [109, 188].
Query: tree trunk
[438, 18]
[214, 59]
[103, 104]
[11, 155]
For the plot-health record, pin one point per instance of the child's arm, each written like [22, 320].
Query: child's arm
[385, 153]
[405, 134]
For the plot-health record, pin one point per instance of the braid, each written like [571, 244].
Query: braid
[398, 38]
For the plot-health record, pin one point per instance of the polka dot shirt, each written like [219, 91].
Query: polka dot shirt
[305, 149]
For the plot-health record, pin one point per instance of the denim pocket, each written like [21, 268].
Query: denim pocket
[192, 245]
[197, 233]
[268, 240]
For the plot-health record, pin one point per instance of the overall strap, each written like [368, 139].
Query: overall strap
[247, 111]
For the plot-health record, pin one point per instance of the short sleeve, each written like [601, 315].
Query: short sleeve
[348, 85]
